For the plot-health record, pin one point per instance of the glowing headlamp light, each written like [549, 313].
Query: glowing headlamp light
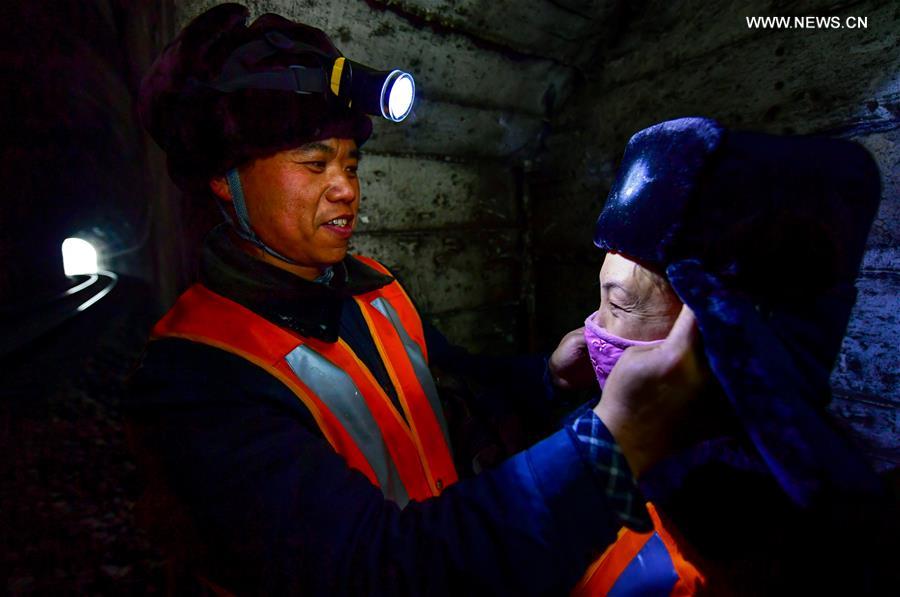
[380, 93]
[388, 93]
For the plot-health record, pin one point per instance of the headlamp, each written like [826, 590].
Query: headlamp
[380, 93]
[388, 93]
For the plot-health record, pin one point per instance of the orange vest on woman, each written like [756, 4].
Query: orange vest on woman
[646, 564]
[407, 455]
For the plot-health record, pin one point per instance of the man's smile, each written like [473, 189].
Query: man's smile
[342, 226]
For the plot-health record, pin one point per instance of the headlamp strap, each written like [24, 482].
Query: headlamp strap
[237, 199]
[243, 228]
[301, 79]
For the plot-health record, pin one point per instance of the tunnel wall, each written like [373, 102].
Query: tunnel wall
[77, 161]
[698, 58]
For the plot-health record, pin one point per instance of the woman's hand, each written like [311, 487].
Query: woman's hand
[570, 364]
[648, 392]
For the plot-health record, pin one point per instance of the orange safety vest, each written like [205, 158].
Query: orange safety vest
[407, 456]
[642, 564]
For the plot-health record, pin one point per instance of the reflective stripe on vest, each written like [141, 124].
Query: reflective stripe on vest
[641, 564]
[403, 331]
[409, 459]
[337, 390]
[423, 373]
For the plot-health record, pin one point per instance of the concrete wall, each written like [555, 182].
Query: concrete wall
[700, 58]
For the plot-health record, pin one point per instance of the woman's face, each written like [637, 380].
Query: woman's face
[635, 302]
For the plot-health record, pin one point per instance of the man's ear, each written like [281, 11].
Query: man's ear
[220, 188]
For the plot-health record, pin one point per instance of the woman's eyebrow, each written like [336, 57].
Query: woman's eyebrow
[614, 284]
[607, 286]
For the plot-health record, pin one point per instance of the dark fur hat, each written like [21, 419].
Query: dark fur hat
[205, 132]
[780, 217]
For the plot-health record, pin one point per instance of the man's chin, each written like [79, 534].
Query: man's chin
[333, 256]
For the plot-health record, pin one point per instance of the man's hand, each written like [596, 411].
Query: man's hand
[570, 365]
[648, 392]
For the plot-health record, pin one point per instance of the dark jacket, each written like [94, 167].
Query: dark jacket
[277, 511]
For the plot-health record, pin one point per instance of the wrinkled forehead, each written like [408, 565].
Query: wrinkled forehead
[625, 276]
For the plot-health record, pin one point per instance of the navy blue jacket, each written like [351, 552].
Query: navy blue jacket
[275, 510]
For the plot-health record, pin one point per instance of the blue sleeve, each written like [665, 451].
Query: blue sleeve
[605, 456]
[280, 511]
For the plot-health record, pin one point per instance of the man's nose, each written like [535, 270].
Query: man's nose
[342, 188]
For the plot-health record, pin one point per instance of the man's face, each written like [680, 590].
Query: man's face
[303, 202]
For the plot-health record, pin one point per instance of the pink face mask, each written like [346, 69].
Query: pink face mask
[605, 349]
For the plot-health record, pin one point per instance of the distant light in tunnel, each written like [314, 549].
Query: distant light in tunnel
[79, 257]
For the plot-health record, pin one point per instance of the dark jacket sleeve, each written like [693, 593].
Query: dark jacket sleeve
[280, 512]
[503, 384]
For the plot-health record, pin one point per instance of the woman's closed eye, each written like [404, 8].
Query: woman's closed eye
[613, 306]
[620, 299]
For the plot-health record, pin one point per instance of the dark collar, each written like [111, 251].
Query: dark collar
[308, 308]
